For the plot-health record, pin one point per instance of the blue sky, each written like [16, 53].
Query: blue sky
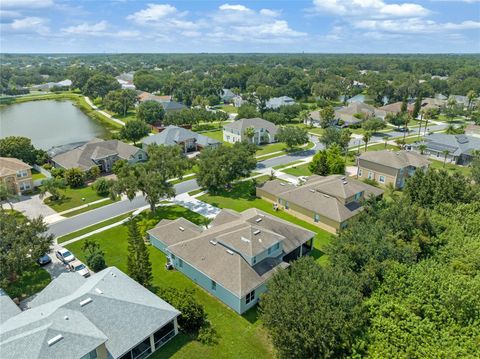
[360, 26]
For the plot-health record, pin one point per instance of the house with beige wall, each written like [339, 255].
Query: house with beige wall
[16, 175]
[390, 167]
[328, 202]
[265, 131]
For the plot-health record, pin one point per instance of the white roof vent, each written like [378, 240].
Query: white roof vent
[85, 302]
[66, 317]
[245, 239]
[282, 184]
[256, 232]
[345, 182]
[181, 228]
[258, 220]
[326, 195]
[54, 340]
[213, 242]
[312, 190]
[230, 252]
[99, 291]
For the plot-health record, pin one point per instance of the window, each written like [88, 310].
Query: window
[172, 255]
[180, 263]
[358, 195]
[213, 285]
[22, 173]
[360, 172]
[140, 156]
[162, 335]
[381, 179]
[250, 297]
[91, 355]
[316, 217]
[142, 350]
[254, 260]
[24, 186]
[370, 175]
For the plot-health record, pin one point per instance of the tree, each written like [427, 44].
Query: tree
[471, 96]
[249, 133]
[292, 136]
[366, 138]
[151, 112]
[373, 124]
[247, 111]
[7, 195]
[445, 153]
[74, 177]
[134, 130]
[22, 242]
[93, 172]
[334, 316]
[102, 186]
[120, 101]
[395, 119]
[53, 187]
[327, 162]
[275, 117]
[79, 77]
[417, 107]
[319, 164]
[330, 136]
[219, 167]
[152, 177]
[22, 149]
[139, 266]
[99, 85]
[95, 257]
[327, 116]
[476, 167]
[422, 148]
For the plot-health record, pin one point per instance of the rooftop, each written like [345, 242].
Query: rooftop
[395, 159]
[173, 135]
[256, 123]
[10, 166]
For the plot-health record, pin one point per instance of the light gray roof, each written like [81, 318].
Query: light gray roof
[220, 251]
[395, 159]
[324, 195]
[456, 144]
[176, 231]
[84, 157]
[347, 113]
[227, 95]
[257, 123]
[173, 135]
[8, 308]
[121, 313]
[276, 102]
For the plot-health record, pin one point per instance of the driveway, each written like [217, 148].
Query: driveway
[32, 206]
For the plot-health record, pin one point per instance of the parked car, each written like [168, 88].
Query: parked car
[80, 268]
[64, 255]
[44, 260]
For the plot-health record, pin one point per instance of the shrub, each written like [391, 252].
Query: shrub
[102, 186]
[47, 166]
[96, 262]
[74, 177]
[57, 172]
[207, 334]
[93, 172]
[371, 182]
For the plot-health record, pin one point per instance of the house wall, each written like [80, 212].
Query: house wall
[363, 173]
[231, 137]
[158, 244]
[258, 292]
[205, 282]
[14, 183]
[141, 155]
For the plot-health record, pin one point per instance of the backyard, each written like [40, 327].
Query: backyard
[239, 336]
[30, 282]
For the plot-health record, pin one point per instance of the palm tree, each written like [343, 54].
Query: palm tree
[471, 95]
[7, 196]
[445, 153]
[249, 133]
[366, 137]
[422, 148]
[52, 186]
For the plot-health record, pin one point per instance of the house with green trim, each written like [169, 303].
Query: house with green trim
[233, 258]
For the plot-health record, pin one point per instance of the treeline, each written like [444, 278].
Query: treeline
[402, 281]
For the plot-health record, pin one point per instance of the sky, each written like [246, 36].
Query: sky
[311, 26]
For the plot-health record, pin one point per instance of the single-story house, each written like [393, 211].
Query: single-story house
[328, 202]
[190, 141]
[234, 258]
[432, 103]
[16, 175]
[227, 96]
[238, 101]
[390, 167]
[107, 315]
[100, 153]
[51, 85]
[276, 102]
[460, 147]
[396, 108]
[265, 131]
[165, 101]
[346, 115]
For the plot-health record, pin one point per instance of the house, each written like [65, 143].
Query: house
[458, 149]
[328, 202]
[107, 315]
[390, 167]
[238, 101]
[349, 115]
[100, 153]
[432, 103]
[396, 108]
[165, 101]
[227, 96]
[472, 130]
[51, 85]
[234, 258]
[16, 175]
[190, 141]
[275, 102]
[265, 131]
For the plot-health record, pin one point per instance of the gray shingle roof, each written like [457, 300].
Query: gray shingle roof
[237, 233]
[121, 314]
[395, 159]
[456, 144]
[83, 157]
[173, 135]
[10, 166]
[323, 195]
[276, 102]
[257, 123]
[8, 308]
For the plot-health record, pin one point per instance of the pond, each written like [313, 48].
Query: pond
[49, 123]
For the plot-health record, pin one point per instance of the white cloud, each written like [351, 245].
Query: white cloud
[414, 26]
[29, 24]
[26, 4]
[153, 14]
[4, 14]
[234, 7]
[99, 29]
[269, 12]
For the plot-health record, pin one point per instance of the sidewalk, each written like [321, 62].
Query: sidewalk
[90, 103]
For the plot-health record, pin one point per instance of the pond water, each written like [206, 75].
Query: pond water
[48, 123]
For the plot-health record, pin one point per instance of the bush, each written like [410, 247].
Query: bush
[102, 186]
[75, 177]
[207, 334]
[47, 166]
[93, 172]
[57, 172]
[96, 262]
[371, 182]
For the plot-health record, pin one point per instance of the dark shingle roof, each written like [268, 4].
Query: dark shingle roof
[173, 135]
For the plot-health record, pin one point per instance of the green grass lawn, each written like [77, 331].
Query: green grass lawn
[217, 135]
[73, 198]
[28, 283]
[286, 165]
[90, 207]
[450, 167]
[239, 336]
[272, 147]
[301, 170]
[239, 199]
[229, 108]
[37, 175]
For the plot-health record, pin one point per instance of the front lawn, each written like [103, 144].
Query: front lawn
[270, 148]
[300, 170]
[239, 336]
[217, 135]
[73, 197]
[37, 175]
[451, 167]
[229, 108]
[239, 199]
[28, 283]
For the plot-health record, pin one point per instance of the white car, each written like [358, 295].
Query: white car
[80, 268]
[64, 255]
